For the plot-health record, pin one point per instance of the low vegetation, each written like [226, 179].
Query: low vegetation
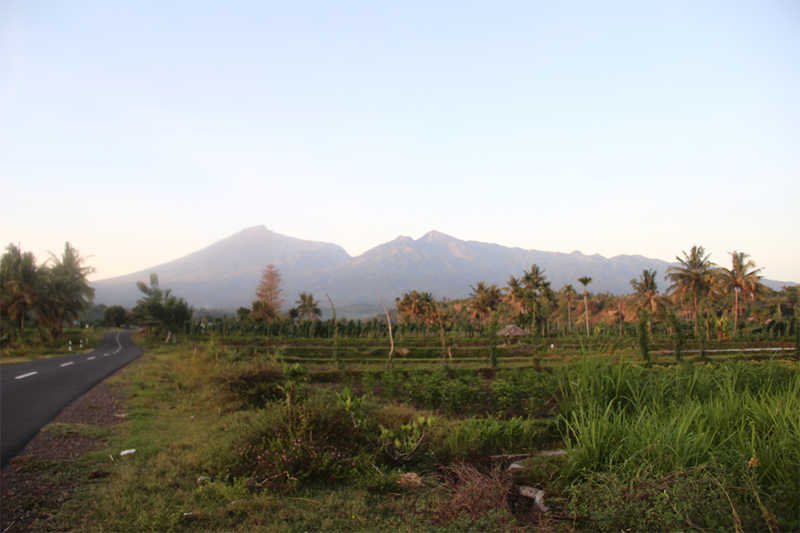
[236, 439]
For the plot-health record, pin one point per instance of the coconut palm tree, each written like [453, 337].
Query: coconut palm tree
[694, 277]
[428, 308]
[549, 300]
[646, 294]
[534, 281]
[69, 295]
[533, 278]
[415, 305]
[22, 285]
[569, 291]
[585, 280]
[514, 294]
[308, 307]
[485, 298]
[743, 277]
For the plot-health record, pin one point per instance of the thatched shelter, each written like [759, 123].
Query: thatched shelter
[512, 331]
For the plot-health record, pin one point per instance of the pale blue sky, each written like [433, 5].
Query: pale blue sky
[141, 131]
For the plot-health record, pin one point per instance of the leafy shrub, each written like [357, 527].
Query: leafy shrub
[315, 441]
[465, 392]
[427, 388]
[402, 445]
[368, 381]
[453, 391]
[520, 392]
[392, 381]
[394, 416]
[255, 385]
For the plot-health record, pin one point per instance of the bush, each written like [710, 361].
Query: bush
[427, 388]
[452, 391]
[255, 385]
[315, 441]
[392, 381]
[368, 381]
[464, 393]
[519, 392]
[394, 416]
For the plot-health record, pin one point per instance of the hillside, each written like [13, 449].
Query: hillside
[225, 274]
[447, 266]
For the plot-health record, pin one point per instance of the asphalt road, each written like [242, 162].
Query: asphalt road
[32, 394]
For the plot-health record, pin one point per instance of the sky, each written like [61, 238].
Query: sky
[141, 131]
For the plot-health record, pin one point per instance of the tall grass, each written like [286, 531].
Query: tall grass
[624, 418]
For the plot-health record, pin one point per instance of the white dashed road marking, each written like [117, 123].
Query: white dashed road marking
[119, 349]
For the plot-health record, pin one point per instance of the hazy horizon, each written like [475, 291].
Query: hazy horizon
[141, 131]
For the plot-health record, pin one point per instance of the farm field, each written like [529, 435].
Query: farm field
[264, 434]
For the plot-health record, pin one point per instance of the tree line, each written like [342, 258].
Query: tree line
[48, 295]
[712, 297]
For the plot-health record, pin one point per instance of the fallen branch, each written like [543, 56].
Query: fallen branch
[512, 456]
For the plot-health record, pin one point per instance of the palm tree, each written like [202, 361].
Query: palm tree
[694, 277]
[549, 300]
[533, 278]
[485, 298]
[585, 280]
[535, 282]
[569, 291]
[22, 285]
[646, 294]
[428, 307]
[148, 309]
[741, 278]
[308, 308]
[415, 305]
[69, 296]
[514, 293]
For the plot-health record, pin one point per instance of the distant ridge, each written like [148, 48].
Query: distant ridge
[447, 266]
[225, 274]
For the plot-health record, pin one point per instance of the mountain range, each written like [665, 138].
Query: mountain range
[225, 274]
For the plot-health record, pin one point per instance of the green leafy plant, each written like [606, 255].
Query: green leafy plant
[392, 381]
[400, 445]
[295, 374]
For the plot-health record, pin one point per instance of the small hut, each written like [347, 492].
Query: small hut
[512, 331]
